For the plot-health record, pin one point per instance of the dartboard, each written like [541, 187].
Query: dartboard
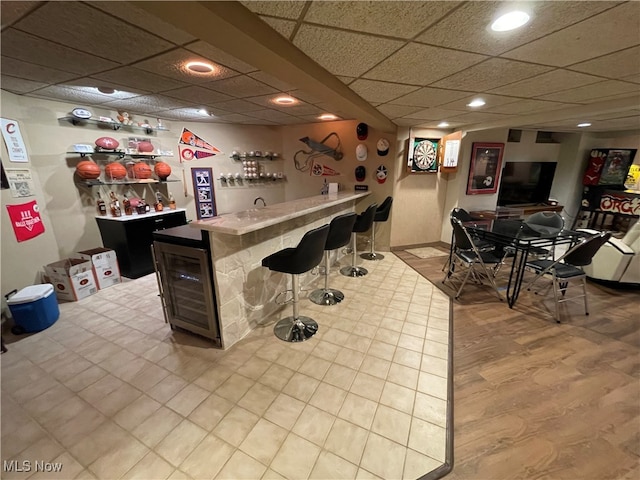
[424, 155]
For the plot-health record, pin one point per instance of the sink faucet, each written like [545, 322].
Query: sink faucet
[264, 204]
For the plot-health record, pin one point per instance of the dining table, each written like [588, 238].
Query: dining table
[521, 239]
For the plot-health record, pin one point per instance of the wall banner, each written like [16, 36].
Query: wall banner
[25, 220]
[13, 140]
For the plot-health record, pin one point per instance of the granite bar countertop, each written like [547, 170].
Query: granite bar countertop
[138, 216]
[254, 219]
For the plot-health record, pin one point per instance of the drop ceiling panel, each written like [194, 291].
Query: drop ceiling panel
[588, 39]
[434, 114]
[300, 109]
[467, 27]
[284, 9]
[220, 57]
[491, 100]
[393, 19]
[237, 118]
[395, 111]
[137, 79]
[351, 54]
[236, 106]
[20, 85]
[102, 34]
[491, 74]
[241, 86]
[148, 104]
[187, 114]
[415, 64]
[37, 73]
[549, 82]
[478, 117]
[593, 92]
[271, 81]
[430, 97]
[374, 91]
[90, 84]
[615, 66]
[524, 107]
[72, 94]
[198, 95]
[283, 27]
[171, 64]
[20, 45]
[13, 11]
[269, 114]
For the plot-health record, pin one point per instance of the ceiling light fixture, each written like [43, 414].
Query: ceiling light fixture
[443, 124]
[510, 21]
[327, 116]
[582, 125]
[285, 100]
[476, 103]
[202, 111]
[200, 67]
[106, 90]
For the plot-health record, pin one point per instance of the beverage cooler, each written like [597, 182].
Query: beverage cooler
[182, 260]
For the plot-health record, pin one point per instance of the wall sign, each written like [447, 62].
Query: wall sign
[20, 182]
[25, 220]
[486, 165]
[203, 192]
[13, 140]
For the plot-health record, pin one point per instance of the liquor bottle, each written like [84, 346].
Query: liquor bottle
[172, 202]
[115, 205]
[142, 207]
[158, 205]
[128, 210]
[101, 205]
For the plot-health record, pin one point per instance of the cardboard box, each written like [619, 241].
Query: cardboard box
[72, 278]
[105, 265]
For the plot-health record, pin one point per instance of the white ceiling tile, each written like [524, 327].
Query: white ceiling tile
[525, 107]
[236, 106]
[271, 81]
[264, 100]
[269, 114]
[400, 19]
[220, 57]
[418, 64]
[127, 11]
[614, 66]
[171, 64]
[102, 34]
[433, 114]
[351, 54]
[491, 101]
[241, 86]
[345, 80]
[30, 71]
[140, 79]
[374, 91]
[236, 118]
[588, 39]
[13, 11]
[490, 75]
[476, 117]
[632, 78]
[430, 97]
[395, 111]
[25, 47]
[407, 122]
[189, 114]
[20, 85]
[592, 92]
[300, 109]
[148, 104]
[283, 27]
[546, 83]
[73, 94]
[198, 95]
[467, 27]
[90, 84]
[285, 9]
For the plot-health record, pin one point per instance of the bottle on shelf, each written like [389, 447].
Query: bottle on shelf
[101, 206]
[142, 207]
[128, 209]
[172, 201]
[115, 205]
[158, 205]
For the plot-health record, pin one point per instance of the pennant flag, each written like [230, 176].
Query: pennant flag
[321, 170]
[190, 138]
[193, 153]
[25, 220]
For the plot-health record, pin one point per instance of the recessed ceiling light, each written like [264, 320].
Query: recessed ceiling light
[582, 125]
[510, 21]
[200, 67]
[443, 124]
[285, 100]
[327, 116]
[478, 102]
[106, 90]
[202, 111]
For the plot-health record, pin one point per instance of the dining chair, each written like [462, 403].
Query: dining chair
[464, 216]
[568, 268]
[473, 262]
[544, 223]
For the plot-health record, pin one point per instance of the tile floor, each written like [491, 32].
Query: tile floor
[110, 391]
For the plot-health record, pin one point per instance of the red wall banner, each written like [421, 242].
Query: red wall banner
[25, 220]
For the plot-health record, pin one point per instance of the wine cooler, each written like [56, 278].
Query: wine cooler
[183, 267]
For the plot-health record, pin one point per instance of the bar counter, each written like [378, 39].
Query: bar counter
[245, 291]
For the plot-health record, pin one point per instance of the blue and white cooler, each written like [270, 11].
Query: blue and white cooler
[34, 308]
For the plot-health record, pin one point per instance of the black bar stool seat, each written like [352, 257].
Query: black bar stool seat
[297, 260]
[339, 234]
[363, 224]
[382, 215]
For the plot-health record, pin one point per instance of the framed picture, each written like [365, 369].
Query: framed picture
[203, 192]
[485, 168]
[422, 155]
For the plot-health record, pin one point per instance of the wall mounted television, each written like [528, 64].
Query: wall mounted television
[526, 183]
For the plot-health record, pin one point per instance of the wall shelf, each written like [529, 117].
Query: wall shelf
[112, 125]
[97, 182]
[121, 154]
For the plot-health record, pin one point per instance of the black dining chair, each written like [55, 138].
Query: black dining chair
[568, 268]
[464, 216]
[472, 261]
[544, 223]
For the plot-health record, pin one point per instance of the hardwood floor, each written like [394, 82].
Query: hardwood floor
[539, 400]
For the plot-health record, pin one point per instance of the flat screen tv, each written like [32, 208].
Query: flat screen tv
[526, 183]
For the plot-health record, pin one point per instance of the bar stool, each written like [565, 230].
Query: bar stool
[382, 215]
[297, 260]
[363, 223]
[339, 234]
